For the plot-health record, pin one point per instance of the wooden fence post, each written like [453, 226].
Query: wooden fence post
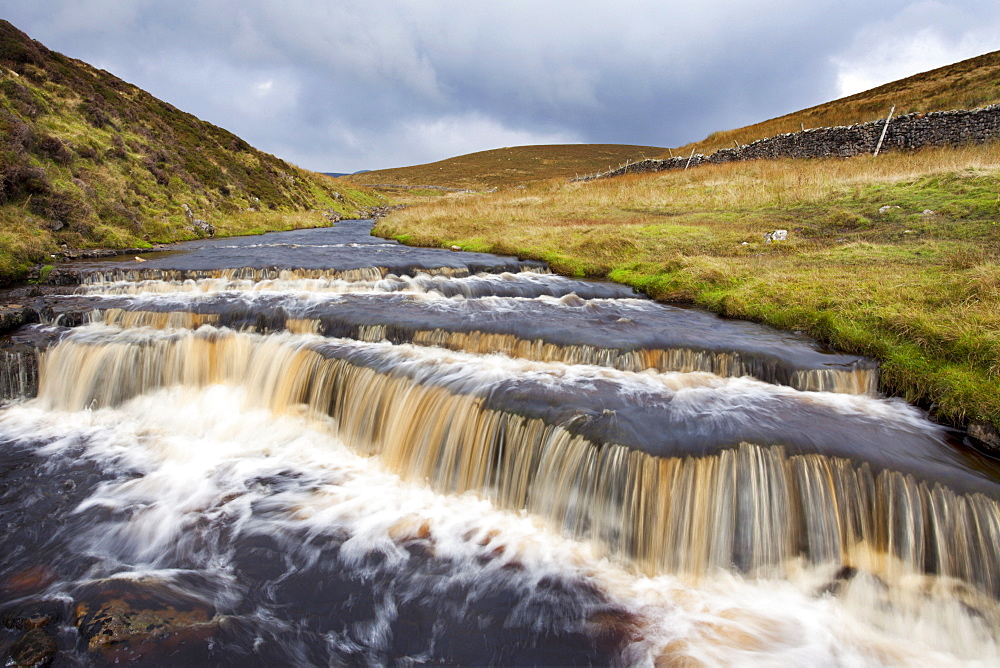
[885, 128]
[689, 160]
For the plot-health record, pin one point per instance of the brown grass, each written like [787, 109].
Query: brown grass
[919, 292]
[509, 167]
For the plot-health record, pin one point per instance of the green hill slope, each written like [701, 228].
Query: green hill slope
[88, 160]
[963, 85]
[511, 166]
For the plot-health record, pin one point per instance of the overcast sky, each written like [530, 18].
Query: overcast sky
[344, 85]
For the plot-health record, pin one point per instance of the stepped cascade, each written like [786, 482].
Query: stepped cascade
[322, 447]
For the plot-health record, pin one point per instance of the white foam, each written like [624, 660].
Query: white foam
[204, 454]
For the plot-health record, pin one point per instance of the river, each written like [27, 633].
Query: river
[325, 448]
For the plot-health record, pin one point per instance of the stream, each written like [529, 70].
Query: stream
[325, 448]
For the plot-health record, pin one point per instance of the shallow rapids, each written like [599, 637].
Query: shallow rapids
[327, 449]
[302, 551]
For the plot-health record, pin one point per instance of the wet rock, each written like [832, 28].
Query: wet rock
[35, 648]
[13, 316]
[836, 584]
[93, 253]
[129, 619]
[33, 613]
[986, 435]
[28, 580]
[614, 628]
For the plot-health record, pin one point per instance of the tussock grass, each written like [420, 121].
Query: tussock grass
[919, 291]
[22, 244]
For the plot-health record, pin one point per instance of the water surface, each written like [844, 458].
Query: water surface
[320, 447]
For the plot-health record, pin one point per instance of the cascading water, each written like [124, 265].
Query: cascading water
[291, 463]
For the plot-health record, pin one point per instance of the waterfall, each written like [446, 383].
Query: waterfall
[852, 379]
[754, 508]
[18, 374]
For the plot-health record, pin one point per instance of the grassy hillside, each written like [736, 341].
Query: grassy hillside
[88, 160]
[506, 167]
[964, 85]
[918, 291]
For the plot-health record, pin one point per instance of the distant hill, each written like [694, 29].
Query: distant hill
[505, 167]
[89, 160]
[339, 174]
[964, 85]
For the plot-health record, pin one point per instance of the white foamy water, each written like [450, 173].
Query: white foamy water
[526, 283]
[207, 470]
[691, 395]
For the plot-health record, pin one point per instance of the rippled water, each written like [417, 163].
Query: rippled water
[366, 454]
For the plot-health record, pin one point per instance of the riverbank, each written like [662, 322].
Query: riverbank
[894, 257]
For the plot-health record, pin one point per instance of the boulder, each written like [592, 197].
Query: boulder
[986, 434]
[35, 648]
[125, 620]
[203, 228]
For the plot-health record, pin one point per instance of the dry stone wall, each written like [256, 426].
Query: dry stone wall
[910, 131]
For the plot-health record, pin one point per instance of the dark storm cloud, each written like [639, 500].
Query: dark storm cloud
[351, 85]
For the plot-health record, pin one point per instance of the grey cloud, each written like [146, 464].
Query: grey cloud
[352, 85]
